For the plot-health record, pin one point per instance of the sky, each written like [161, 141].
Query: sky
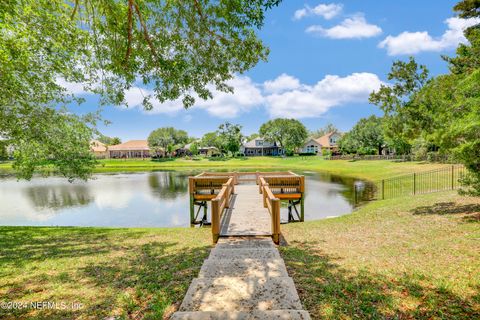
[325, 58]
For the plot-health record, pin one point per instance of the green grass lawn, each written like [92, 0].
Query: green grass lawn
[129, 273]
[405, 258]
[366, 169]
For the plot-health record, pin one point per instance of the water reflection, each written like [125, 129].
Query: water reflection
[58, 196]
[150, 199]
[168, 186]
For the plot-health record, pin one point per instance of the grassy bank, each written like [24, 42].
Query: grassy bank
[128, 273]
[395, 259]
[414, 257]
[375, 169]
[407, 258]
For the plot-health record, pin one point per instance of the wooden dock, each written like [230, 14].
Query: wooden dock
[244, 277]
[245, 203]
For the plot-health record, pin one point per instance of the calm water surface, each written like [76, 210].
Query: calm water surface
[147, 199]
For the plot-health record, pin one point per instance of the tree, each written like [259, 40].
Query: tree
[109, 141]
[211, 139]
[468, 55]
[194, 148]
[402, 116]
[170, 149]
[289, 133]
[3, 150]
[115, 140]
[445, 110]
[109, 47]
[64, 144]
[165, 139]
[366, 137]
[323, 131]
[253, 136]
[230, 137]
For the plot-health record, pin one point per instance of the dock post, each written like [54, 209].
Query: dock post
[192, 210]
[264, 196]
[302, 200]
[205, 208]
[276, 221]
[302, 208]
[215, 221]
[227, 204]
[192, 200]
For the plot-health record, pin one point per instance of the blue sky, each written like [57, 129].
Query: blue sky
[325, 57]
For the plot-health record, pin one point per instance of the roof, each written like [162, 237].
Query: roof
[253, 144]
[130, 145]
[97, 146]
[325, 140]
[312, 140]
[188, 146]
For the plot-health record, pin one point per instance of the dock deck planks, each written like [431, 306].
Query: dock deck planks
[246, 215]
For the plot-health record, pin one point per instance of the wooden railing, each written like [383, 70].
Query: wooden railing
[219, 174]
[246, 175]
[287, 187]
[273, 205]
[206, 185]
[219, 204]
[286, 184]
[218, 187]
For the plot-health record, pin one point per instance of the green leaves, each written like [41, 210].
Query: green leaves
[54, 139]
[230, 137]
[444, 112]
[178, 49]
[290, 133]
[366, 137]
[165, 139]
[468, 8]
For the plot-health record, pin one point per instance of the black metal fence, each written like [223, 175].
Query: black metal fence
[370, 157]
[411, 184]
[431, 157]
[420, 182]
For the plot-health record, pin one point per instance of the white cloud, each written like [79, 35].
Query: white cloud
[135, 95]
[331, 91]
[187, 118]
[72, 87]
[281, 83]
[327, 11]
[415, 42]
[355, 27]
[246, 96]
[284, 96]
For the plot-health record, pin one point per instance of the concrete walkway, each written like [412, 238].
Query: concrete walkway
[243, 278]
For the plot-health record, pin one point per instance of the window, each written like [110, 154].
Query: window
[312, 149]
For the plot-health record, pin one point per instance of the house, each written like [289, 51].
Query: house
[99, 149]
[326, 142]
[261, 147]
[130, 149]
[203, 151]
[312, 146]
[330, 141]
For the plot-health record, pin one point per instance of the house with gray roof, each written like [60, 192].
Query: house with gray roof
[261, 147]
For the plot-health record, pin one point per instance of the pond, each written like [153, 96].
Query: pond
[146, 199]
